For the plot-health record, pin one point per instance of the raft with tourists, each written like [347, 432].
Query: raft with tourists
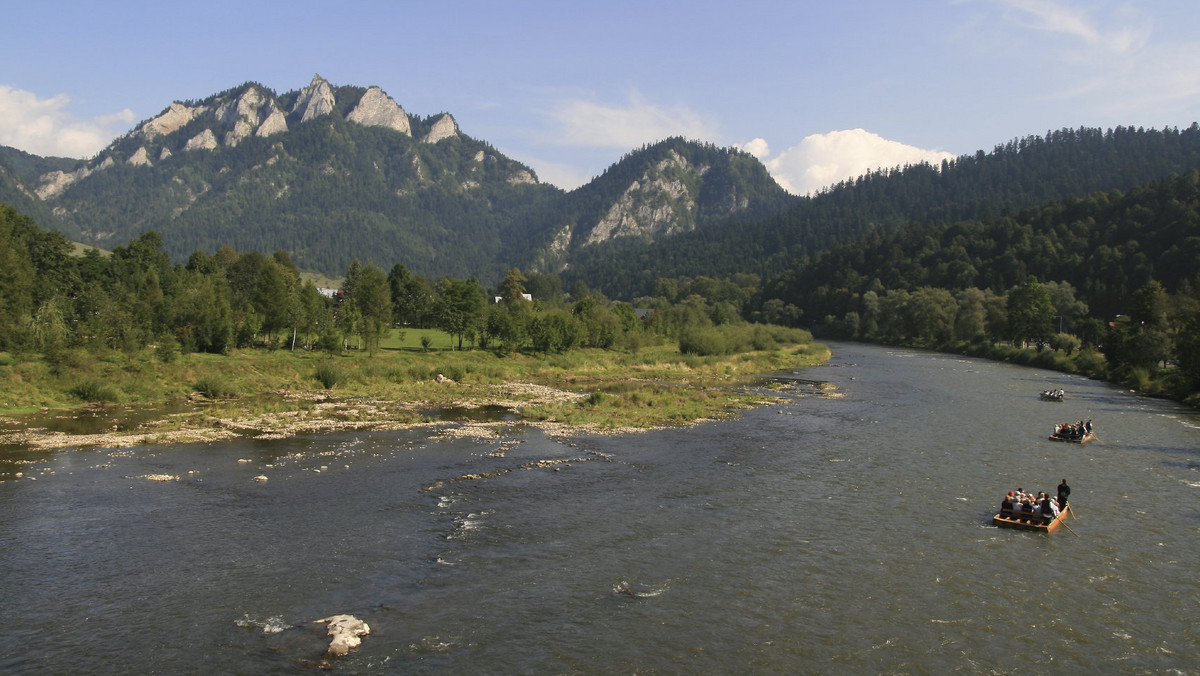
[1053, 395]
[1026, 521]
[1037, 512]
[1074, 433]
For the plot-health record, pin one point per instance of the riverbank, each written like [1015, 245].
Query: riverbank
[202, 398]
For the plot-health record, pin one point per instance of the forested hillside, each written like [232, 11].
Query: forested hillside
[1116, 273]
[19, 172]
[1106, 245]
[1020, 173]
[331, 192]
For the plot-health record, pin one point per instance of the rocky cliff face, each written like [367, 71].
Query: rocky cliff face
[377, 109]
[315, 100]
[443, 128]
[660, 203]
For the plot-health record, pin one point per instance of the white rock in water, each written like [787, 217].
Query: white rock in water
[346, 631]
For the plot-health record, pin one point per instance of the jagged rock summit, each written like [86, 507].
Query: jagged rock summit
[249, 110]
[315, 100]
[377, 109]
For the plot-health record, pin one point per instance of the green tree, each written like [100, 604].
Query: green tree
[555, 331]
[1030, 313]
[459, 307]
[547, 288]
[411, 296]
[970, 322]
[1150, 306]
[931, 316]
[315, 318]
[512, 289]
[204, 320]
[372, 297]
[16, 278]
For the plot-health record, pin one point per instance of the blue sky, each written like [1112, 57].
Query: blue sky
[820, 91]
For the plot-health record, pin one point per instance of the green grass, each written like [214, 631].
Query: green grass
[656, 385]
[410, 339]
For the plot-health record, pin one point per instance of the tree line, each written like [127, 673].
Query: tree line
[1107, 285]
[53, 301]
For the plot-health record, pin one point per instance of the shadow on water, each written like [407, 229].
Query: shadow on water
[87, 420]
[96, 419]
[93, 418]
[468, 414]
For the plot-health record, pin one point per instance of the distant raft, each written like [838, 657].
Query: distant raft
[1053, 395]
[1074, 433]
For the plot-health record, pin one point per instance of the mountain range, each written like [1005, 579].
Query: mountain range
[332, 174]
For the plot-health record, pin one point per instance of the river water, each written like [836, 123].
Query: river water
[845, 530]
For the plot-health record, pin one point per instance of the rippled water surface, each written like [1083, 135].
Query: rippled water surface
[844, 530]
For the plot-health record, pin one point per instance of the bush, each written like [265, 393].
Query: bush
[214, 388]
[330, 375]
[594, 399]
[704, 342]
[762, 339]
[94, 390]
[168, 350]
[1091, 364]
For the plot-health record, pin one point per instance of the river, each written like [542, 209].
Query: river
[844, 530]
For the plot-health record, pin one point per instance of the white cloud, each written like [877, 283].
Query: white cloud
[1130, 33]
[757, 147]
[585, 123]
[821, 160]
[43, 127]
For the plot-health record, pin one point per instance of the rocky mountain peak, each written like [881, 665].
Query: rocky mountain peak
[242, 114]
[377, 109]
[315, 100]
[660, 202]
[443, 128]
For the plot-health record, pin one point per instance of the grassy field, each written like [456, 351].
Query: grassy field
[654, 386]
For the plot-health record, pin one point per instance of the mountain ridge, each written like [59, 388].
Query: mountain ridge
[333, 173]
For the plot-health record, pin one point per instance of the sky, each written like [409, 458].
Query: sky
[818, 91]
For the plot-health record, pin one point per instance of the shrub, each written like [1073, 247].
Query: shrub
[94, 390]
[168, 350]
[1091, 364]
[330, 375]
[762, 339]
[704, 342]
[594, 399]
[214, 388]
